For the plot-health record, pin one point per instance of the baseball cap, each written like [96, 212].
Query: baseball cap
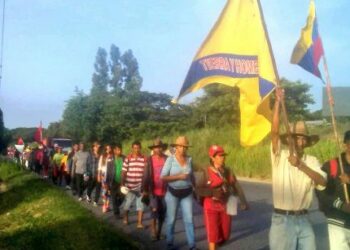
[216, 149]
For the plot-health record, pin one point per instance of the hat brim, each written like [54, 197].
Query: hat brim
[163, 146]
[310, 139]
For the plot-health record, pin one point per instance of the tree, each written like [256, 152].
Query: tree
[74, 116]
[96, 100]
[100, 78]
[297, 99]
[115, 64]
[4, 138]
[219, 105]
[131, 75]
[55, 130]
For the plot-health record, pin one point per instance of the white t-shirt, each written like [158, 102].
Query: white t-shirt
[292, 189]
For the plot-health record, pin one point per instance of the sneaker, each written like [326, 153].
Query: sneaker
[68, 187]
[95, 204]
[88, 199]
[80, 199]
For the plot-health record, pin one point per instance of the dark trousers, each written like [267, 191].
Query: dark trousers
[38, 167]
[80, 184]
[117, 198]
[158, 207]
[64, 175]
[93, 184]
[73, 184]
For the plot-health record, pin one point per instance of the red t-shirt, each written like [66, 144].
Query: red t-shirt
[159, 187]
[215, 180]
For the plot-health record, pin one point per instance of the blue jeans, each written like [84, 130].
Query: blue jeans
[172, 204]
[289, 232]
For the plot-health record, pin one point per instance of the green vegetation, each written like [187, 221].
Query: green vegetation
[116, 109]
[5, 136]
[36, 215]
[251, 161]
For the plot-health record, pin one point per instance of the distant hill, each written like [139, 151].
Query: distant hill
[342, 105]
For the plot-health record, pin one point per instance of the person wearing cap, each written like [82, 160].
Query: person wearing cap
[216, 186]
[157, 186]
[294, 177]
[133, 178]
[332, 200]
[178, 174]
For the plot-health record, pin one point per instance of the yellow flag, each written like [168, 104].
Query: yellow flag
[237, 53]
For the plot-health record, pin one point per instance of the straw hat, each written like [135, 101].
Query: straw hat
[157, 143]
[299, 129]
[181, 141]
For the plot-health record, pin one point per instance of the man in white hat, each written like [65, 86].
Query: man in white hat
[294, 177]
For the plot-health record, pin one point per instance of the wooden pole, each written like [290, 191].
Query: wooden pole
[278, 83]
[334, 124]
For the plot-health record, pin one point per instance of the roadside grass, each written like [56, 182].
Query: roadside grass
[253, 162]
[36, 215]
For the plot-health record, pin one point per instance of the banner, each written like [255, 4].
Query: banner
[237, 53]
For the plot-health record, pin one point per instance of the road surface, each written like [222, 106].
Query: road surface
[249, 229]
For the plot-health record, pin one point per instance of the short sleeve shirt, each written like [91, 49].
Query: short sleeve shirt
[292, 189]
[172, 167]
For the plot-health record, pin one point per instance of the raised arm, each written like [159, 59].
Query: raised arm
[276, 119]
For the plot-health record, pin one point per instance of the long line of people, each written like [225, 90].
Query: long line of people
[163, 181]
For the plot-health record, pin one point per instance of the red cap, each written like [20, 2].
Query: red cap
[216, 149]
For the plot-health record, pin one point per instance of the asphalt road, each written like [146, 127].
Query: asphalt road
[250, 229]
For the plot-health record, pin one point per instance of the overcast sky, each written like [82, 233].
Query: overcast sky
[50, 46]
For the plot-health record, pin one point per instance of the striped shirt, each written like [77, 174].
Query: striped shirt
[134, 168]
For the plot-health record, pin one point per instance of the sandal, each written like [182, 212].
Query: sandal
[140, 226]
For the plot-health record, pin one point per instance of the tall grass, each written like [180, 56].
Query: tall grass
[251, 161]
[36, 215]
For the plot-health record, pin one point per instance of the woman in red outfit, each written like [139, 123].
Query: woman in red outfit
[218, 184]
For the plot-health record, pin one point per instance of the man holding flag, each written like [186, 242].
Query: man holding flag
[294, 176]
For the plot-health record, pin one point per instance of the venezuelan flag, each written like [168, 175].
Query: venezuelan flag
[309, 50]
[237, 53]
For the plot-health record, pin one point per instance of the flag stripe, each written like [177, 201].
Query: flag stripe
[237, 53]
[309, 50]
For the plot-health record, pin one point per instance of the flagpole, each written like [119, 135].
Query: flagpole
[334, 124]
[283, 105]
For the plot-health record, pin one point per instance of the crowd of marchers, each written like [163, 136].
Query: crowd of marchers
[165, 181]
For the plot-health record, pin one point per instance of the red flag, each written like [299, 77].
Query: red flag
[38, 136]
